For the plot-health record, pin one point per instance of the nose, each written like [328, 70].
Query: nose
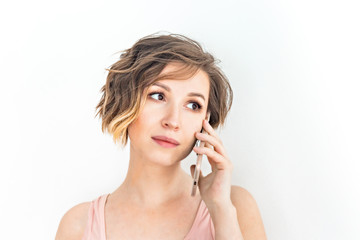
[171, 119]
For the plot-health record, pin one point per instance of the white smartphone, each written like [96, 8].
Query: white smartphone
[198, 161]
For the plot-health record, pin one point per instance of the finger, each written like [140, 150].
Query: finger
[192, 170]
[220, 161]
[211, 162]
[201, 176]
[210, 140]
[208, 145]
[208, 128]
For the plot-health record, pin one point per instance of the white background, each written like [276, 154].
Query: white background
[292, 134]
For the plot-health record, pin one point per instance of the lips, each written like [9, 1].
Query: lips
[165, 141]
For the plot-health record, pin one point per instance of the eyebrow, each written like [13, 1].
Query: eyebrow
[192, 94]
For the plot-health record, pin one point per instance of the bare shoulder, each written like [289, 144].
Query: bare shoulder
[73, 223]
[248, 213]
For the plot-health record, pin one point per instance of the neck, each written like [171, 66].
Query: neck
[151, 183]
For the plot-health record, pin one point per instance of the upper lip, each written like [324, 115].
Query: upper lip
[166, 139]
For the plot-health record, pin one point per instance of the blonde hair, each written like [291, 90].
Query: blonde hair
[140, 66]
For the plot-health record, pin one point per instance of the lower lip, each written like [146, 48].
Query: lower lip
[165, 144]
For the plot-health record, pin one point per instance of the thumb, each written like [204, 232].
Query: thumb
[192, 170]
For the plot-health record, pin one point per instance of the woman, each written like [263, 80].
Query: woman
[159, 96]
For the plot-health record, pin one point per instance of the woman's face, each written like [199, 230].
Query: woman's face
[173, 109]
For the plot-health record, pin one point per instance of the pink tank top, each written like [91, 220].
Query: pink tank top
[202, 228]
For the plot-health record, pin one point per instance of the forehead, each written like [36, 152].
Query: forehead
[185, 79]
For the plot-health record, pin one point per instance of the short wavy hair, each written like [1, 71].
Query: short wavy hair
[140, 66]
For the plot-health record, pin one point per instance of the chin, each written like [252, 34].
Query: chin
[165, 159]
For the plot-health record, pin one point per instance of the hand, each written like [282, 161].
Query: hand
[214, 188]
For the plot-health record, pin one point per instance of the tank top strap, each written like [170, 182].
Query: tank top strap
[203, 227]
[95, 227]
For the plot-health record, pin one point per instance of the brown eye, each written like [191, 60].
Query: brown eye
[195, 106]
[159, 95]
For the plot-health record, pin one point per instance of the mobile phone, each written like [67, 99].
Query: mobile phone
[198, 161]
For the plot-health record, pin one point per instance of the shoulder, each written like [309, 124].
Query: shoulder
[242, 199]
[73, 223]
[248, 213]
[240, 195]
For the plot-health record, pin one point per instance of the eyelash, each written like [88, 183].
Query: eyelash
[199, 107]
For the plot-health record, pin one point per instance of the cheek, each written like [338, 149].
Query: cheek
[191, 136]
[147, 112]
[135, 127]
[141, 125]
[196, 126]
[143, 117]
